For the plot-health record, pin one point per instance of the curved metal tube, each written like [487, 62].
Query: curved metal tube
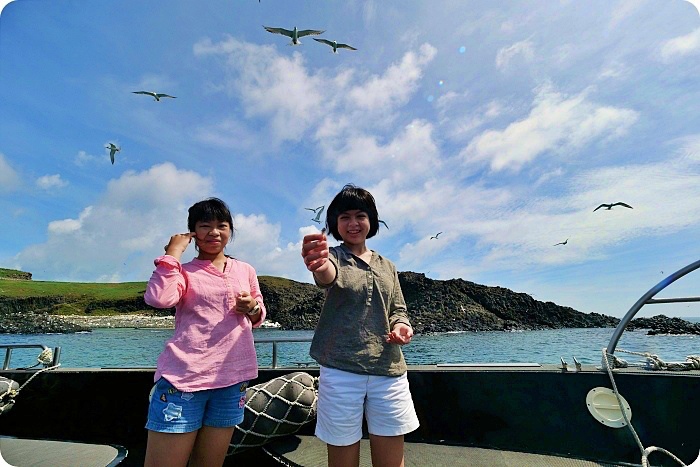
[646, 299]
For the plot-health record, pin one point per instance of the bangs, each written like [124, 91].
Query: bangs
[212, 209]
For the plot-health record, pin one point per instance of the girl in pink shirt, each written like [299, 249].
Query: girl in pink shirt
[203, 372]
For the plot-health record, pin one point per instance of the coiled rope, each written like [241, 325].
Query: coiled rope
[607, 358]
[7, 398]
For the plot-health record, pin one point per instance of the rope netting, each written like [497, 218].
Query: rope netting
[276, 408]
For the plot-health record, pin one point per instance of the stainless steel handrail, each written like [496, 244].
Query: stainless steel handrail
[274, 342]
[647, 299]
[9, 347]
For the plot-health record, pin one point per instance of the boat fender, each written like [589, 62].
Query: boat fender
[276, 408]
[8, 390]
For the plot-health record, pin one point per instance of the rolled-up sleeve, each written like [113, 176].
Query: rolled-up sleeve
[257, 295]
[397, 306]
[167, 284]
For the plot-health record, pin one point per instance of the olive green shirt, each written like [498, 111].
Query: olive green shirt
[362, 305]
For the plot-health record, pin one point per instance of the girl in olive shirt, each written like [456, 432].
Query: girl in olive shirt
[358, 338]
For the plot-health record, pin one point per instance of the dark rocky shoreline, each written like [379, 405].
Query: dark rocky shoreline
[434, 306]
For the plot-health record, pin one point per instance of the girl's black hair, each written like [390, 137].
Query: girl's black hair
[349, 198]
[209, 210]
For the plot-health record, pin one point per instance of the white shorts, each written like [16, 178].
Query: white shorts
[343, 399]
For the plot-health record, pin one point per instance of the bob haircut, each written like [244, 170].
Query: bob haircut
[349, 198]
[210, 209]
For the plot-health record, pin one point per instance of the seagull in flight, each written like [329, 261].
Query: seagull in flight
[112, 151]
[318, 212]
[435, 236]
[295, 34]
[610, 206]
[562, 243]
[335, 45]
[387, 227]
[156, 95]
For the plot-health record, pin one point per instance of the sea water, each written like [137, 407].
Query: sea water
[130, 348]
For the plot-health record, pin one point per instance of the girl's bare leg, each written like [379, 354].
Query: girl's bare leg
[344, 456]
[387, 451]
[211, 446]
[168, 449]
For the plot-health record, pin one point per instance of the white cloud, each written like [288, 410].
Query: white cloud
[119, 234]
[49, 182]
[505, 55]
[412, 153]
[514, 228]
[270, 85]
[66, 226]
[9, 178]
[681, 46]
[556, 122]
[397, 83]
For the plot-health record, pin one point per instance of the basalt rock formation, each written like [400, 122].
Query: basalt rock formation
[433, 306]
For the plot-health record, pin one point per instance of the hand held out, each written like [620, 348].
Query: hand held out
[314, 250]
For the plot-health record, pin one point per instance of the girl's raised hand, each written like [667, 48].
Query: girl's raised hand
[314, 250]
[178, 244]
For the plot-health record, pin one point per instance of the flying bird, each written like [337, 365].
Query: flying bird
[295, 34]
[387, 227]
[562, 243]
[156, 95]
[112, 151]
[318, 212]
[610, 206]
[435, 236]
[335, 45]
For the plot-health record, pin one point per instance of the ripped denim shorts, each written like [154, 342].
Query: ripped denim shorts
[174, 411]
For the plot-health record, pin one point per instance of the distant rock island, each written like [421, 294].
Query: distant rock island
[434, 306]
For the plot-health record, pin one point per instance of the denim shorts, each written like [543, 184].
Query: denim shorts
[173, 411]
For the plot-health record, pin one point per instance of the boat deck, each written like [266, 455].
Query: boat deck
[305, 451]
[49, 453]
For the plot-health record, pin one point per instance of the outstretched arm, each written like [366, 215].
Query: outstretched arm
[315, 252]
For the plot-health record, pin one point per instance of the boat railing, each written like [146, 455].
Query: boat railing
[277, 340]
[53, 356]
[647, 299]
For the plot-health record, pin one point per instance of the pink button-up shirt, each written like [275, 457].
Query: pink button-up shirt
[212, 346]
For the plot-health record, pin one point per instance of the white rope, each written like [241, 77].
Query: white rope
[655, 363]
[44, 358]
[645, 451]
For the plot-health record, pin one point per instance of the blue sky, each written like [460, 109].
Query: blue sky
[501, 124]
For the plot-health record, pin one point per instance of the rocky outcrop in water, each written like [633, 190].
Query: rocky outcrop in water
[438, 306]
[664, 325]
[433, 306]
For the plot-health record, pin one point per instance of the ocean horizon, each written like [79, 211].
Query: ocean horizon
[139, 348]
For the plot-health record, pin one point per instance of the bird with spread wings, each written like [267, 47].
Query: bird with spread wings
[295, 34]
[113, 149]
[608, 207]
[155, 95]
[335, 45]
[318, 212]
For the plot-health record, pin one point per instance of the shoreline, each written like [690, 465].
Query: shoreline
[121, 321]
[133, 321]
